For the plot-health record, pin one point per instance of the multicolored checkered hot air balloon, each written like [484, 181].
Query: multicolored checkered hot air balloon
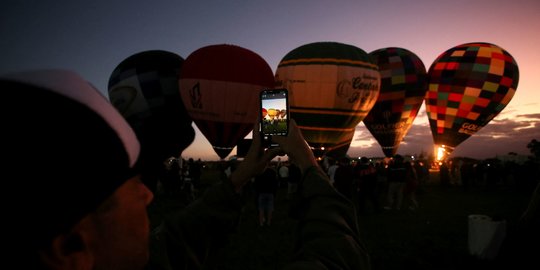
[220, 86]
[332, 86]
[403, 87]
[469, 85]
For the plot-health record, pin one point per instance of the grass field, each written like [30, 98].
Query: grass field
[435, 236]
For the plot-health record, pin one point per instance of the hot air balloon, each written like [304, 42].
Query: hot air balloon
[272, 113]
[332, 87]
[220, 86]
[403, 87]
[144, 88]
[469, 85]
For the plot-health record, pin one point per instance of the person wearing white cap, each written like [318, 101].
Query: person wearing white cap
[81, 205]
[73, 158]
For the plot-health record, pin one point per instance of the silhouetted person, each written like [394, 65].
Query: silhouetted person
[411, 185]
[366, 175]
[343, 178]
[444, 174]
[467, 174]
[397, 176]
[295, 175]
[172, 180]
[266, 186]
[195, 171]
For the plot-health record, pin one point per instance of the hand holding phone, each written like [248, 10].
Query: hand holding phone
[274, 114]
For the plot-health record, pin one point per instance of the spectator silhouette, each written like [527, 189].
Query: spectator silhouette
[366, 175]
[266, 185]
[444, 174]
[397, 176]
[343, 178]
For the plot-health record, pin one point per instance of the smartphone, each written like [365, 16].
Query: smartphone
[274, 114]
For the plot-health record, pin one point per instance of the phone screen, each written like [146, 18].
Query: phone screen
[274, 112]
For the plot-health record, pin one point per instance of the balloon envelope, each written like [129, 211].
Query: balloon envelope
[332, 86]
[220, 86]
[144, 88]
[469, 85]
[403, 87]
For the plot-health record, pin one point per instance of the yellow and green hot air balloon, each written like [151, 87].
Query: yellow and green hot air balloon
[332, 87]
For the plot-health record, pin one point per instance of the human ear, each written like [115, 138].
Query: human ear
[68, 251]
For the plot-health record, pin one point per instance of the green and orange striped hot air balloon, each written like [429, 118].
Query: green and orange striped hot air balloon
[332, 87]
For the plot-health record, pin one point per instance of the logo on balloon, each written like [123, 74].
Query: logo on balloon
[360, 83]
[123, 98]
[195, 96]
[389, 127]
[469, 128]
[358, 88]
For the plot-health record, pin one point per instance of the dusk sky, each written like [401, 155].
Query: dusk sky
[93, 37]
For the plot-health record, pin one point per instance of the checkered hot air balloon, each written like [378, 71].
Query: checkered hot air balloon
[220, 86]
[468, 85]
[144, 88]
[403, 87]
[332, 86]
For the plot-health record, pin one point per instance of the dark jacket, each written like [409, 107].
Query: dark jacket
[327, 238]
[267, 182]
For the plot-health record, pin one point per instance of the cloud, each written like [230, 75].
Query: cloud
[532, 115]
[499, 137]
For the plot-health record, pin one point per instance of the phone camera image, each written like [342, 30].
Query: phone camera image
[275, 112]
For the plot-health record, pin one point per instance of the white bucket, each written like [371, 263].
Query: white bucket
[485, 236]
